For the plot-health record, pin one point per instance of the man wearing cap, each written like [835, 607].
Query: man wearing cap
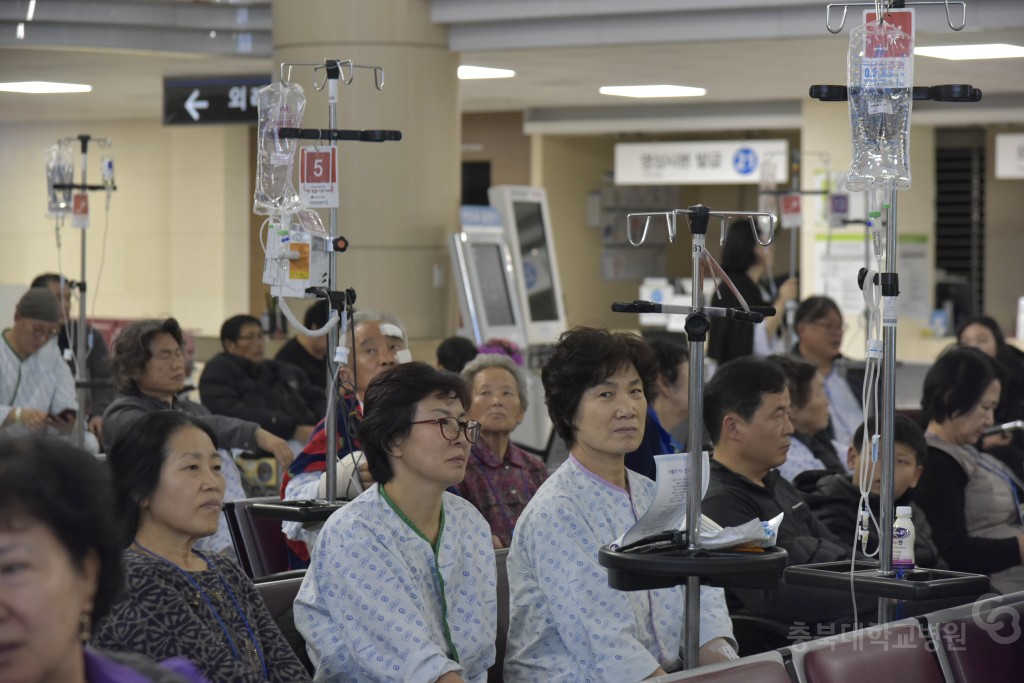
[97, 356]
[37, 391]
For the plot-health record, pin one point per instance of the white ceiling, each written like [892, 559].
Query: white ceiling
[740, 54]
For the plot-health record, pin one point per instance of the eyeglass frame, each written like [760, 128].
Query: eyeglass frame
[464, 427]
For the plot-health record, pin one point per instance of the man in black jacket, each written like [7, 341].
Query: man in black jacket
[241, 383]
[746, 409]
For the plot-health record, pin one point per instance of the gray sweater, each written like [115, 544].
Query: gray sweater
[126, 409]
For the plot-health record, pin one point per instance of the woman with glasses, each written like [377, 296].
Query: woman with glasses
[819, 325]
[401, 583]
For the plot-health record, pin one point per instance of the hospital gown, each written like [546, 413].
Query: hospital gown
[370, 607]
[566, 623]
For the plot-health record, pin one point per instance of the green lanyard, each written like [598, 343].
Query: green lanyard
[437, 566]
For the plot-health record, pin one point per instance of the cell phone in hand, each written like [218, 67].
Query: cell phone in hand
[66, 415]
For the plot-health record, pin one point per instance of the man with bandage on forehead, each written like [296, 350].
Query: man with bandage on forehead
[375, 342]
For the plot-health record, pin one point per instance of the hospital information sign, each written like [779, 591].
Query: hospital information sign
[719, 162]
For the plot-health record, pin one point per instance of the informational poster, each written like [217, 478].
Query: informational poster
[841, 255]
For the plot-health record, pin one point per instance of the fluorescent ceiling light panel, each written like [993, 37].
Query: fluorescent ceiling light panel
[959, 52]
[41, 87]
[467, 73]
[652, 91]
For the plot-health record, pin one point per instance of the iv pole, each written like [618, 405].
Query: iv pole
[82, 384]
[696, 331]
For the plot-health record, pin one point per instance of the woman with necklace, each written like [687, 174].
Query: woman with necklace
[169, 490]
[972, 500]
[401, 584]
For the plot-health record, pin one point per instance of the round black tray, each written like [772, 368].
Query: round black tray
[668, 567]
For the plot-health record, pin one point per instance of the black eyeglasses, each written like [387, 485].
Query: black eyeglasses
[450, 428]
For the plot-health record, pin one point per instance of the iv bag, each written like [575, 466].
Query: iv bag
[880, 79]
[60, 170]
[280, 106]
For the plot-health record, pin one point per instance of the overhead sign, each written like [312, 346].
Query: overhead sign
[228, 99]
[719, 162]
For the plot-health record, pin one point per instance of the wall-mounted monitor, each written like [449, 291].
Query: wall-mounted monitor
[485, 280]
[524, 214]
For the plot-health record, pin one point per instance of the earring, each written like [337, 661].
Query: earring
[85, 627]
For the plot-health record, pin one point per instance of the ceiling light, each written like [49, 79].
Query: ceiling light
[39, 87]
[652, 91]
[19, 32]
[467, 73]
[989, 51]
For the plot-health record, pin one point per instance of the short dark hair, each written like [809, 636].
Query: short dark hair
[46, 279]
[814, 308]
[738, 387]
[130, 352]
[68, 490]
[232, 328]
[739, 251]
[669, 354]
[956, 383]
[905, 431]
[136, 457]
[315, 316]
[390, 406]
[799, 375]
[454, 352]
[584, 357]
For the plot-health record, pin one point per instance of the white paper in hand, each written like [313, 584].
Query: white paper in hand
[668, 510]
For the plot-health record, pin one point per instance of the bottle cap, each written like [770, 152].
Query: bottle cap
[904, 511]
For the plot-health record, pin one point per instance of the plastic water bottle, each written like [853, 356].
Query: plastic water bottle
[903, 535]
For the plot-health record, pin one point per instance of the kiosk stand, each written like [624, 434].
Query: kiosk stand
[680, 559]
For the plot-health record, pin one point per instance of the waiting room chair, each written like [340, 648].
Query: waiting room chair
[766, 667]
[259, 541]
[495, 673]
[898, 652]
[279, 597]
[982, 642]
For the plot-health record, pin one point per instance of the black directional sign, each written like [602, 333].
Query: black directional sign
[228, 99]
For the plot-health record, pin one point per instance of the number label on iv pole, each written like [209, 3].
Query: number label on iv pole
[80, 211]
[318, 177]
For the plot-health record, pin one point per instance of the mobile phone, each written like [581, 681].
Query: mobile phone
[66, 415]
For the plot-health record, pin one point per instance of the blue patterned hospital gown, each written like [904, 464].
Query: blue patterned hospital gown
[566, 623]
[370, 607]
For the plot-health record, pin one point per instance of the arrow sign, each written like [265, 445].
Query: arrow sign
[193, 104]
[199, 101]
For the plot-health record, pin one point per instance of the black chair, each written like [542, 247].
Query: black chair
[279, 597]
[495, 673]
[259, 542]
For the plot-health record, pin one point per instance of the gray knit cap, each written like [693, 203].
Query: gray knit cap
[39, 303]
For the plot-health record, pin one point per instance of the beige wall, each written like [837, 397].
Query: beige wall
[499, 139]
[1004, 240]
[178, 226]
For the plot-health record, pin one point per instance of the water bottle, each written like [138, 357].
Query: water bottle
[903, 535]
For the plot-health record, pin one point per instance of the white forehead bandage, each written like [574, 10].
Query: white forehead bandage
[392, 330]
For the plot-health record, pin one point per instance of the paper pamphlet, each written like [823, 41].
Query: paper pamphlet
[668, 510]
